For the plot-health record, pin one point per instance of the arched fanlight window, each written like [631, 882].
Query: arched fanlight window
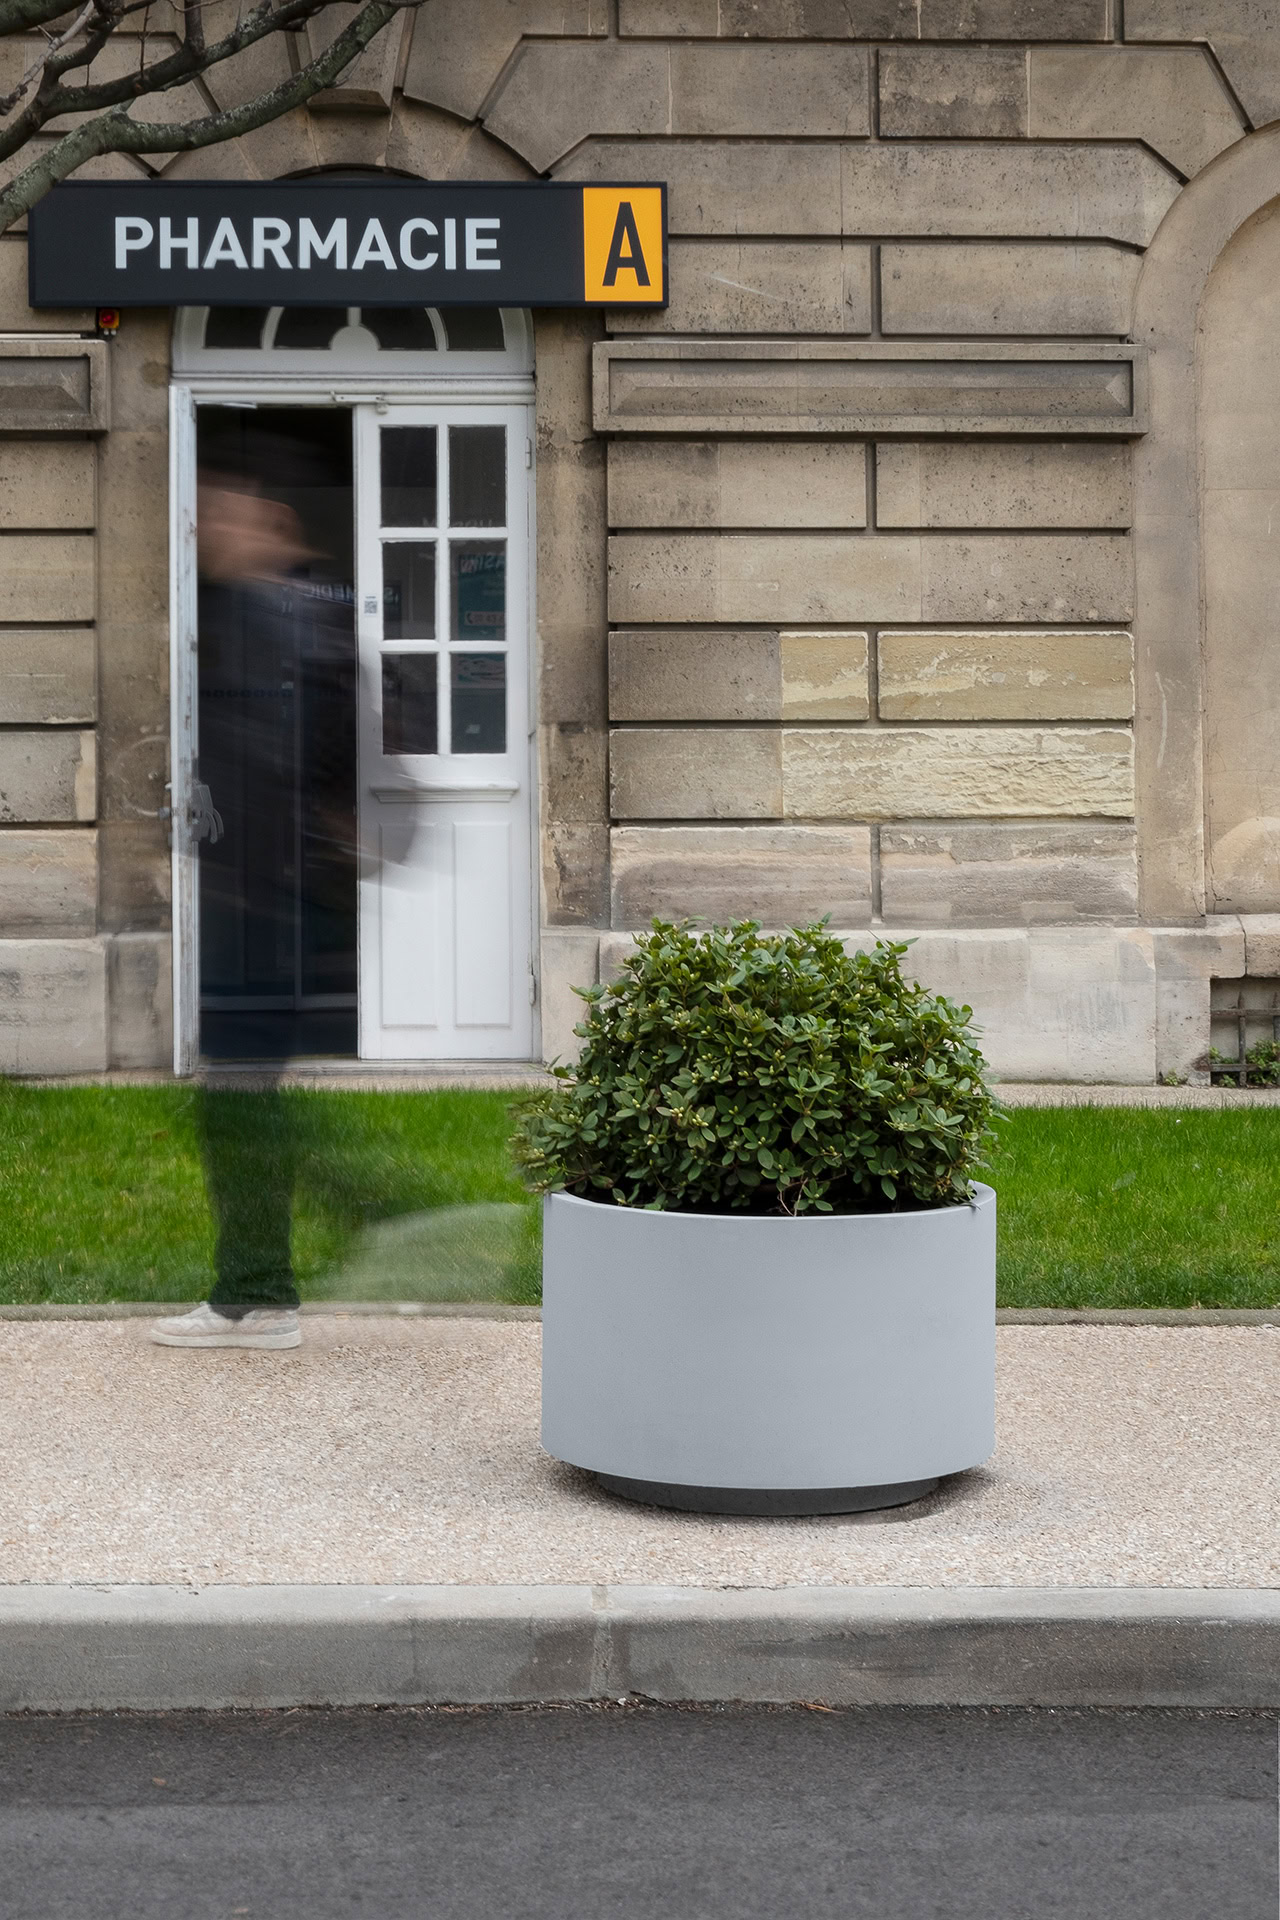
[263, 341]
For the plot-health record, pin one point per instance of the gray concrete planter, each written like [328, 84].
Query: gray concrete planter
[738, 1364]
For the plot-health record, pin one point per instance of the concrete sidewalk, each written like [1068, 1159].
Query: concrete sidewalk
[390, 1470]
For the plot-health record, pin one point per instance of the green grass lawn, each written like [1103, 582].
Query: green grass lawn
[1139, 1207]
[103, 1199]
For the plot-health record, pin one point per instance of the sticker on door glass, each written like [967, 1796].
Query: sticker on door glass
[479, 589]
[479, 702]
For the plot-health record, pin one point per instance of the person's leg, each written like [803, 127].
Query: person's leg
[251, 1149]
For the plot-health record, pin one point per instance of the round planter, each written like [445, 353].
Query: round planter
[746, 1364]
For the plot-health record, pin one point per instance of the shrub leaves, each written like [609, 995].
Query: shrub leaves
[767, 1073]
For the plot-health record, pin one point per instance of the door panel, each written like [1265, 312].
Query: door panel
[482, 924]
[442, 603]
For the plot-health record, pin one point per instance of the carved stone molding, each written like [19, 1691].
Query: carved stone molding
[869, 387]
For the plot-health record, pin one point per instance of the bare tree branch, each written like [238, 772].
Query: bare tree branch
[113, 131]
[9, 101]
[175, 69]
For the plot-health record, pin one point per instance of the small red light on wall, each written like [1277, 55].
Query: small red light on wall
[108, 320]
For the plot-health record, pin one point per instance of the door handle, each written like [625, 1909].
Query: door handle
[204, 818]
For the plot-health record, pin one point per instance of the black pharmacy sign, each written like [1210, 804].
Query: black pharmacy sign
[386, 243]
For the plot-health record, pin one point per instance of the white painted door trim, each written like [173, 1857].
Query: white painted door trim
[183, 721]
[285, 390]
[456, 799]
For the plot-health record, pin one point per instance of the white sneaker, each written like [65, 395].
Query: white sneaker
[204, 1326]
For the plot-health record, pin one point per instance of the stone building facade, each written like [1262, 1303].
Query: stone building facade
[914, 566]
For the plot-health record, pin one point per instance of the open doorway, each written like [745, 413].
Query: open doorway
[277, 730]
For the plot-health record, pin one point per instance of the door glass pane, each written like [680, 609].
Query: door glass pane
[399, 329]
[478, 476]
[479, 589]
[409, 589]
[474, 330]
[409, 703]
[479, 702]
[408, 476]
[309, 327]
[235, 326]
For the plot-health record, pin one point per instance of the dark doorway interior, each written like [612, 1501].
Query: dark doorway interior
[277, 732]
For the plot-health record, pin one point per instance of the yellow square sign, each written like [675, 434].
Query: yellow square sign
[623, 256]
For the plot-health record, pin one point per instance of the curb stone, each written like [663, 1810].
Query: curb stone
[71, 1648]
[494, 1310]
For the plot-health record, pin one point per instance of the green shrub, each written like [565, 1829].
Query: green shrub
[776, 1074]
[1262, 1066]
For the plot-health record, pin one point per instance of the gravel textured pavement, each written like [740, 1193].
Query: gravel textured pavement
[393, 1450]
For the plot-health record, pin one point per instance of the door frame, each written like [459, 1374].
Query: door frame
[332, 387]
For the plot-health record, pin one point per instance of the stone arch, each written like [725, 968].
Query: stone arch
[1169, 629]
[1238, 385]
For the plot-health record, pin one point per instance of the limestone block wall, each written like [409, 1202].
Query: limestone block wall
[859, 587]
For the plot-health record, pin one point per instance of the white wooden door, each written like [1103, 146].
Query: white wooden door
[442, 595]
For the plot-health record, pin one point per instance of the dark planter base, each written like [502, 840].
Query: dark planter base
[775, 1503]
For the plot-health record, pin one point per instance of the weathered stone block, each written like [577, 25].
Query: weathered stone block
[47, 676]
[140, 1000]
[718, 188]
[782, 876]
[53, 1006]
[463, 47]
[434, 145]
[568, 958]
[1013, 20]
[953, 93]
[781, 20]
[759, 286]
[989, 288]
[46, 577]
[1043, 483]
[800, 578]
[1240, 34]
[756, 483]
[696, 774]
[560, 92]
[572, 681]
[721, 673]
[15, 315]
[135, 876]
[1171, 98]
[727, 387]
[948, 773]
[48, 881]
[54, 386]
[1040, 871]
[873, 19]
[1083, 675]
[836, 579]
[694, 673]
[977, 189]
[47, 776]
[368, 84]
[575, 871]
[1261, 935]
[1052, 1003]
[47, 483]
[1049, 577]
[1188, 960]
[824, 676]
[959, 190]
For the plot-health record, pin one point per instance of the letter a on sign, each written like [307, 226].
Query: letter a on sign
[622, 252]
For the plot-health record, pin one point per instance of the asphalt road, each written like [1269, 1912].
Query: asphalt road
[640, 1812]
